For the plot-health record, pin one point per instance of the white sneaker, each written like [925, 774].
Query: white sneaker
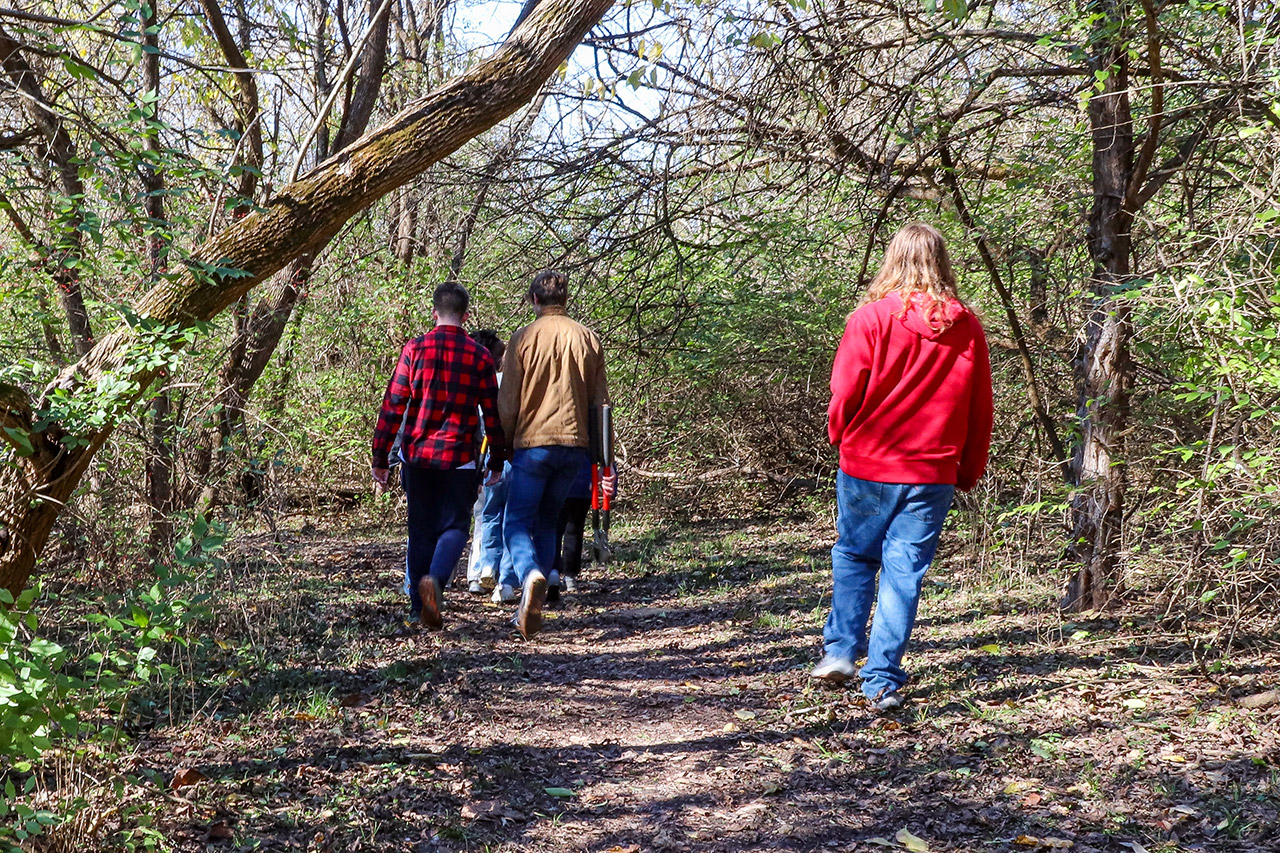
[833, 670]
[570, 583]
[475, 588]
[503, 594]
[887, 700]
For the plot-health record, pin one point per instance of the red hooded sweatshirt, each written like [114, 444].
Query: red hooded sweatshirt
[910, 403]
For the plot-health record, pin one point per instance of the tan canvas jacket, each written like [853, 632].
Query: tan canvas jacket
[552, 373]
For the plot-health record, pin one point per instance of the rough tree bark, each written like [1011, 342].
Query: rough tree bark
[61, 154]
[160, 457]
[45, 465]
[1104, 372]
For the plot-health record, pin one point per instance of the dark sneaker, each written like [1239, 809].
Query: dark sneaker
[553, 587]
[534, 595]
[887, 700]
[429, 592]
[833, 670]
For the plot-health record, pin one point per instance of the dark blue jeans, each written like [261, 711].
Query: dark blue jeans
[439, 522]
[891, 530]
[541, 478]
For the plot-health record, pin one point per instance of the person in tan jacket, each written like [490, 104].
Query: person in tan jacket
[552, 375]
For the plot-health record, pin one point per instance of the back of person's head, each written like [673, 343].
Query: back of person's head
[917, 262]
[489, 339]
[549, 288]
[451, 300]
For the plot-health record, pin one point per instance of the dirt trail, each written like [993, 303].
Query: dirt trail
[667, 707]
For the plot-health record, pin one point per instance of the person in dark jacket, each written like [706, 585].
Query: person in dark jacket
[570, 536]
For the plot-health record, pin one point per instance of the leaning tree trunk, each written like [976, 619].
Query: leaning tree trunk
[47, 462]
[1104, 373]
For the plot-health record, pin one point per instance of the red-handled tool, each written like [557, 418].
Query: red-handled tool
[601, 469]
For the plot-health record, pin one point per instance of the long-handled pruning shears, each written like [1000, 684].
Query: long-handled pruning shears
[601, 468]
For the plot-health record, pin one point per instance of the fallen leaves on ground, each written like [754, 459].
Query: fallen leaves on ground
[642, 720]
[910, 841]
[185, 777]
[491, 810]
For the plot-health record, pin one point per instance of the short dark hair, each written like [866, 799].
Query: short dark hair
[489, 339]
[549, 288]
[451, 299]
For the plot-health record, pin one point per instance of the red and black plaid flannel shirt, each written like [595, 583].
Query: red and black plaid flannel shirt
[443, 380]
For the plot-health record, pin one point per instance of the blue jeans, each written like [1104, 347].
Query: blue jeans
[892, 530]
[541, 478]
[439, 521]
[490, 555]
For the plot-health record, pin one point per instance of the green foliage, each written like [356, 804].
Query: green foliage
[33, 686]
[128, 639]
[38, 706]
[51, 695]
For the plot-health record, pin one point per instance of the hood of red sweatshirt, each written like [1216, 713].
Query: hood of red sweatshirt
[919, 307]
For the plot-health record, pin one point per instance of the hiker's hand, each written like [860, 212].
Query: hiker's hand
[494, 478]
[609, 482]
[380, 476]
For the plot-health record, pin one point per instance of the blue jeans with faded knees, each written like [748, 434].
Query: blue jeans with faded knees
[488, 553]
[891, 530]
[541, 478]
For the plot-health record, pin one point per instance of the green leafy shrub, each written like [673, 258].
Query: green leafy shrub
[50, 695]
[37, 705]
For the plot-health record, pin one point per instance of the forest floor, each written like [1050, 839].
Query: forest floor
[667, 706]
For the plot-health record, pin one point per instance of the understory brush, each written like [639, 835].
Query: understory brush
[79, 677]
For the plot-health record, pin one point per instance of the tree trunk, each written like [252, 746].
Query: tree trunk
[301, 218]
[250, 354]
[248, 122]
[254, 341]
[160, 457]
[61, 257]
[1104, 373]
[404, 226]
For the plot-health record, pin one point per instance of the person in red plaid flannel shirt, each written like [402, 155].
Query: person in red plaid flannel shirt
[441, 385]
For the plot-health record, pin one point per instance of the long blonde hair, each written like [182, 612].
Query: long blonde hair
[917, 262]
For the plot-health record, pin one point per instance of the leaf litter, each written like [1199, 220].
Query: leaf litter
[341, 730]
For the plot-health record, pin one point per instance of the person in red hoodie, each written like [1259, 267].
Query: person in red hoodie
[911, 413]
